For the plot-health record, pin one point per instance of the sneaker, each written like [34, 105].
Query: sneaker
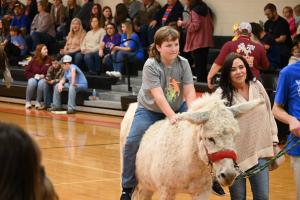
[108, 73]
[71, 112]
[39, 106]
[54, 109]
[116, 74]
[28, 105]
[126, 194]
[217, 189]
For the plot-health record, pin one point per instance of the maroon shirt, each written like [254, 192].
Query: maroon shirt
[35, 68]
[253, 52]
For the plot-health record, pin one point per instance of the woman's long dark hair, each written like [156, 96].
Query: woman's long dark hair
[225, 81]
[20, 164]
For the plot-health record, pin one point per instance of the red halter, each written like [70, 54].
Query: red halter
[214, 157]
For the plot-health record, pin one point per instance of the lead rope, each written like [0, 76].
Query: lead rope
[258, 169]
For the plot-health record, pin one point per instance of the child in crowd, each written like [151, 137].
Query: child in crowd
[73, 80]
[130, 46]
[289, 16]
[53, 76]
[111, 39]
[18, 41]
[157, 98]
[35, 73]
[295, 55]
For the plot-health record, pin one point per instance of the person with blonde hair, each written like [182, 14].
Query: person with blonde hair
[74, 40]
[167, 88]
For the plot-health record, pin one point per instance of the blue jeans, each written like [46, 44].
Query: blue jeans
[259, 185]
[71, 95]
[143, 118]
[92, 61]
[119, 59]
[77, 58]
[34, 84]
[48, 90]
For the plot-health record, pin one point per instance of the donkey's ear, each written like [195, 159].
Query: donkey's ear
[245, 107]
[196, 117]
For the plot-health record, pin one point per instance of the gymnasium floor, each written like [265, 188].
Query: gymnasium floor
[81, 154]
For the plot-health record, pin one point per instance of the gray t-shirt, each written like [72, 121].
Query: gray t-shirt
[170, 79]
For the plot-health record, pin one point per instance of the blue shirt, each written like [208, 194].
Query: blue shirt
[288, 93]
[134, 46]
[80, 78]
[22, 22]
[19, 40]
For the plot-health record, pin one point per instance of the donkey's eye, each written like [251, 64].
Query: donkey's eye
[212, 140]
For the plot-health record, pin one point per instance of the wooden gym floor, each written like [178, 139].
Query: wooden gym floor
[81, 154]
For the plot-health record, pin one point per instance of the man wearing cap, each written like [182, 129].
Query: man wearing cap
[278, 27]
[73, 80]
[253, 52]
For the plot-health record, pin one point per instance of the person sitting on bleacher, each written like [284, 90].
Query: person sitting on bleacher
[130, 47]
[111, 39]
[58, 17]
[20, 20]
[90, 46]
[42, 27]
[74, 80]
[35, 72]
[107, 15]
[74, 40]
[53, 76]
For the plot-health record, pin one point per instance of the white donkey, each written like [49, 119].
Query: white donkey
[180, 158]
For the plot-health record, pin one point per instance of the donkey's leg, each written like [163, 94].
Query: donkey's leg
[165, 194]
[145, 194]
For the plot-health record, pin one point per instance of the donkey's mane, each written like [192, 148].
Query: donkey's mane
[206, 101]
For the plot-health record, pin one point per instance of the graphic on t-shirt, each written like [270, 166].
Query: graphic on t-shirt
[172, 90]
[247, 51]
[298, 87]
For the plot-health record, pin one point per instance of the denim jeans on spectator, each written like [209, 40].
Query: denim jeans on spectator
[41, 38]
[119, 59]
[48, 91]
[72, 91]
[259, 185]
[92, 61]
[143, 118]
[77, 58]
[32, 86]
[107, 62]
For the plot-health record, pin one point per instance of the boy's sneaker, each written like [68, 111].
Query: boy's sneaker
[126, 194]
[28, 105]
[54, 109]
[217, 189]
[71, 112]
[39, 106]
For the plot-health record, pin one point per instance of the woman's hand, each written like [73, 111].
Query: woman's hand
[101, 54]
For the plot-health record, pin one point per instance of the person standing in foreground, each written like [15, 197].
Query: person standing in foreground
[167, 88]
[288, 94]
[258, 135]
